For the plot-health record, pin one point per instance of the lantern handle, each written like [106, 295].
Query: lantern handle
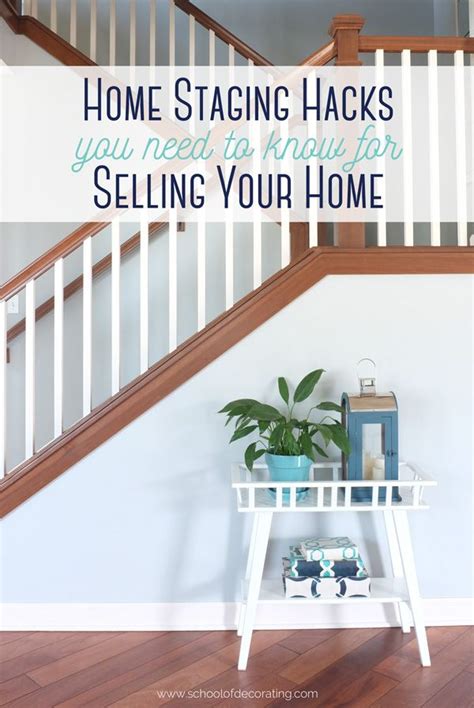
[366, 359]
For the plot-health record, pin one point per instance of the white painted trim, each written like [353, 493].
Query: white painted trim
[182, 616]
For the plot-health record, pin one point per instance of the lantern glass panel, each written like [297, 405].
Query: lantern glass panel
[372, 447]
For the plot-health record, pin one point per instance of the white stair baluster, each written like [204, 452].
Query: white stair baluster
[58, 345]
[144, 248]
[212, 48]
[460, 117]
[53, 16]
[254, 137]
[407, 119]
[30, 317]
[3, 386]
[435, 230]
[133, 32]
[312, 131]
[112, 32]
[284, 211]
[172, 281]
[201, 268]
[87, 326]
[115, 364]
[152, 57]
[380, 132]
[172, 36]
[192, 40]
[229, 222]
[93, 30]
[73, 23]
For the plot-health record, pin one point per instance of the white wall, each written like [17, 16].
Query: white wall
[150, 517]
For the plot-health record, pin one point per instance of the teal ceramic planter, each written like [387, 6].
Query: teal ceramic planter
[289, 468]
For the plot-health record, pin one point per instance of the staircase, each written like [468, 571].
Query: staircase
[227, 279]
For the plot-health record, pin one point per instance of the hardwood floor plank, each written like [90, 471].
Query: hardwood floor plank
[315, 660]
[201, 671]
[15, 688]
[51, 652]
[458, 692]
[407, 660]
[304, 639]
[23, 645]
[263, 664]
[271, 683]
[343, 673]
[438, 639]
[362, 692]
[424, 683]
[112, 680]
[88, 679]
[6, 637]
[90, 656]
[397, 667]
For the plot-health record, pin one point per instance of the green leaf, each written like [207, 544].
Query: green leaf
[238, 407]
[283, 388]
[262, 411]
[306, 386]
[276, 435]
[249, 456]
[252, 454]
[242, 432]
[329, 406]
[320, 450]
[325, 431]
[263, 425]
[339, 437]
[307, 445]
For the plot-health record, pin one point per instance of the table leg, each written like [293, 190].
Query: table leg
[253, 536]
[404, 541]
[262, 534]
[397, 568]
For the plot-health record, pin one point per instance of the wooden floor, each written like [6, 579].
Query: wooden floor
[349, 667]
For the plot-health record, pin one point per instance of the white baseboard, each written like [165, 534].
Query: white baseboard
[219, 616]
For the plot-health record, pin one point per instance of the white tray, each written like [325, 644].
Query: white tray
[327, 491]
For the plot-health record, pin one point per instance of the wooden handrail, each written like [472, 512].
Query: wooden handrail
[321, 56]
[128, 247]
[444, 45]
[45, 261]
[224, 34]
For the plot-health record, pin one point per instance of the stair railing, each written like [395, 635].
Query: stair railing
[346, 47]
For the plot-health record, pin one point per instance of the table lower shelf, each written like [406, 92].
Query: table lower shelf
[384, 590]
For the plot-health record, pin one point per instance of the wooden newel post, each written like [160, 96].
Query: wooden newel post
[345, 29]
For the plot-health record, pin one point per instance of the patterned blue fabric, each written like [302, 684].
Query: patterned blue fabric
[296, 566]
[330, 548]
[326, 588]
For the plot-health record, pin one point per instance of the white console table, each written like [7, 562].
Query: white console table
[334, 496]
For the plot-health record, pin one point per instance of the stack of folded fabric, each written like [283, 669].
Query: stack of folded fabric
[325, 568]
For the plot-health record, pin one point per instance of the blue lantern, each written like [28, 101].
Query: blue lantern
[371, 421]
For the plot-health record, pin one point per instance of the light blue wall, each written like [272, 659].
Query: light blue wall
[149, 516]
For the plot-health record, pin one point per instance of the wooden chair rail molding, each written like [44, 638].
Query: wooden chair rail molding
[206, 346]
[127, 248]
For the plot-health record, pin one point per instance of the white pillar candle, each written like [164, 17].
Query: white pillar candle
[378, 473]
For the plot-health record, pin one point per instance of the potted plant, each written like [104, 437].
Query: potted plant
[289, 442]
